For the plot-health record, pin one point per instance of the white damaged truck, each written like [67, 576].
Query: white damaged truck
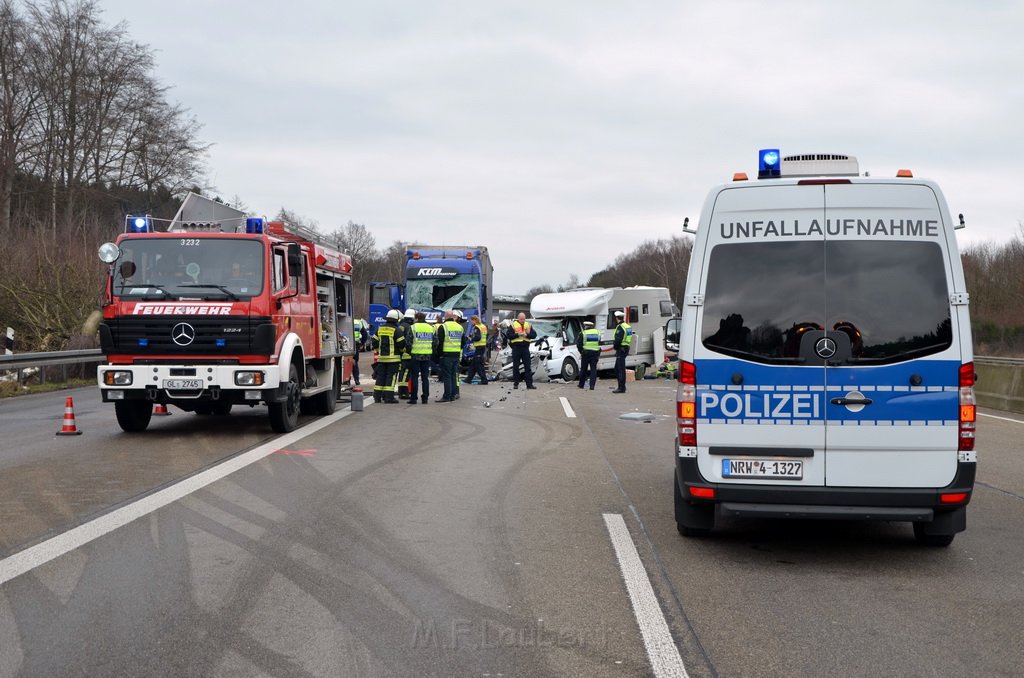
[826, 367]
[562, 314]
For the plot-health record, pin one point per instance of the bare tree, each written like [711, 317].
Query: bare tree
[295, 219]
[18, 97]
[539, 289]
[356, 240]
[572, 283]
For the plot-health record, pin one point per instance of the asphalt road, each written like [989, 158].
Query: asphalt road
[460, 539]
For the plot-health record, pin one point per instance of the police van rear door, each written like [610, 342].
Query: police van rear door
[892, 380]
[760, 392]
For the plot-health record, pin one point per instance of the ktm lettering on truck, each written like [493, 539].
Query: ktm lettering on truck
[826, 365]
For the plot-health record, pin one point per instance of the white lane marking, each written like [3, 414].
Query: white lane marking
[34, 556]
[661, 649]
[992, 416]
[567, 407]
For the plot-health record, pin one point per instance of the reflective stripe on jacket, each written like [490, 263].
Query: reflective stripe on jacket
[387, 338]
[422, 339]
[524, 328]
[452, 337]
[482, 341]
[627, 335]
[592, 340]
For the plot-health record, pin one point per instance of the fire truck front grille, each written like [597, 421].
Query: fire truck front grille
[153, 335]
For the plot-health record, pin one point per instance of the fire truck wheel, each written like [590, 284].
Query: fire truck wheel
[284, 416]
[324, 403]
[133, 415]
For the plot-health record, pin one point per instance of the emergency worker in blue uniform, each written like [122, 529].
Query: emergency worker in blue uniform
[358, 339]
[623, 340]
[424, 343]
[389, 342]
[589, 344]
[449, 338]
[403, 366]
[519, 334]
[476, 333]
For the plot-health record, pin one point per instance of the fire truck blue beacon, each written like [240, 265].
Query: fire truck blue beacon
[826, 368]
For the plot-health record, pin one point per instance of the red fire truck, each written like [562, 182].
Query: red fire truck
[219, 309]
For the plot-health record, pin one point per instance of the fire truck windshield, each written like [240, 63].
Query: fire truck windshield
[189, 267]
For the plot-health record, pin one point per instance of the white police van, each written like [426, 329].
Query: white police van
[825, 355]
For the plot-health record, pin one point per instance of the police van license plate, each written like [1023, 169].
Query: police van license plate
[182, 384]
[781, 469]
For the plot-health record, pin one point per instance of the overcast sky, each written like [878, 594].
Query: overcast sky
[560, 134]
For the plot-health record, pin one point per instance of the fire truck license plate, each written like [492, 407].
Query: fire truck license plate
[763, 468]
[179, 384]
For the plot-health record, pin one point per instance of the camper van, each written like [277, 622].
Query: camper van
[562, 314]
[825, 353]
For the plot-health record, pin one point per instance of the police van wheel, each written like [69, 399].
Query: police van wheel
[133, 416]
[570, 372]
[692, 520]
[931, 539]
[284, 416]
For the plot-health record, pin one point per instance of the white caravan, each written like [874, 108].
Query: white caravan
[560, 316]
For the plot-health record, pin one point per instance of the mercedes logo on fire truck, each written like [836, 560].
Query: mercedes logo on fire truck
[183, 334]
[825, 348]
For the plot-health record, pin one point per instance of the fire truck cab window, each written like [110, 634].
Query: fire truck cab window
[280, 280]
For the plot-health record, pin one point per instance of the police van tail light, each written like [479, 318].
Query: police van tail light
[967, 407]
[686, 412]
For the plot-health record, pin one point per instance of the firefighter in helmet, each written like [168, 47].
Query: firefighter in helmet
[389, 342]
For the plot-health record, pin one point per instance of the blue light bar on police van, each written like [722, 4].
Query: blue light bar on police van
[769, 163]
[254, 225]
[139, 224]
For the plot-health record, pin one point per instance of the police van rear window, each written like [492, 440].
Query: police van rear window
[889, 298]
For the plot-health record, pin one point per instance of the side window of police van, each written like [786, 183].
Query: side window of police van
[279, 270]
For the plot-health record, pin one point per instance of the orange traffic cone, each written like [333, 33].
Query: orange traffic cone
[161, 411]
[69, 428]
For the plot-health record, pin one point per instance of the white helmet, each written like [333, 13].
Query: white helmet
[457, 314]
[588, 322]
[620, 314]
[410, 313]
[393, 314]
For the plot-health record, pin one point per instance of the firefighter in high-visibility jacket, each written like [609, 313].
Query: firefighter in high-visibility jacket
[477, 332]
[389, 342]
[589, 344]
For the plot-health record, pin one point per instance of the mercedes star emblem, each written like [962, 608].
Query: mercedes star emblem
[825, 348]
[183, 334]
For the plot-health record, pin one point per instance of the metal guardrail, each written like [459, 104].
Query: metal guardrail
[20, 362]
[23, 360]
[989, 360]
